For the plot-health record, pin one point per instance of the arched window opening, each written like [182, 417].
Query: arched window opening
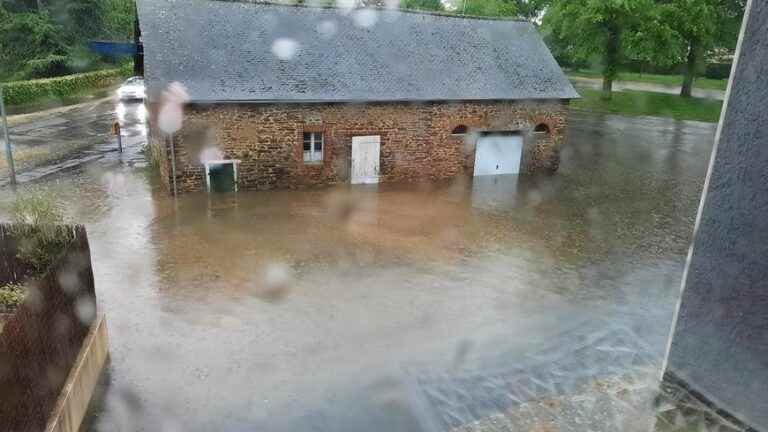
[459, 130]
[541, 128]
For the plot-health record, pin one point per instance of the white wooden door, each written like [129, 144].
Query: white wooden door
[498, 154]
[365, 159]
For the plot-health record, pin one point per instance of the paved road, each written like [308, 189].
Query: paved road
[596, 83]
[60, 139]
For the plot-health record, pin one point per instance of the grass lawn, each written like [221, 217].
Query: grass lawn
[650, 104]
[671, 80]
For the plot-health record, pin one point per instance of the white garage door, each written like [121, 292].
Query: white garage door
[498, 154]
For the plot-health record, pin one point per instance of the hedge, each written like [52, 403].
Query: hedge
[22, 92]
[718, 70]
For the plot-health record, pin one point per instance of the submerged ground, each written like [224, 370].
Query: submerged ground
[509, 303]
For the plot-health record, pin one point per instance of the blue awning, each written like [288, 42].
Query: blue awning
[112, 49]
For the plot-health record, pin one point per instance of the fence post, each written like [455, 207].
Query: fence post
[8, 152]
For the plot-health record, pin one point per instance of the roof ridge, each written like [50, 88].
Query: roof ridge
[379, 8]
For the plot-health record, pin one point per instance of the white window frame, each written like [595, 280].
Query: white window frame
[313, 155]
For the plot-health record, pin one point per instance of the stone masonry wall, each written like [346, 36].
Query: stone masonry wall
[416, 139]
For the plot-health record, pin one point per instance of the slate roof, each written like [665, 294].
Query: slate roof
[225, 51]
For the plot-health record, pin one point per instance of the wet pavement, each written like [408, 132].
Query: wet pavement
[465, 305]
[597, 84]
[63, 138]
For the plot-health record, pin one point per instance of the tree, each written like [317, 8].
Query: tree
[695, 22]
[701, 25]
[729, 24]
[489, 8]
[119, 19]
[531, 10]
[86, 18]
[25, 37]
[51, 42]
[605, 28]
[429, 5]
[653, 41]
[19, 6]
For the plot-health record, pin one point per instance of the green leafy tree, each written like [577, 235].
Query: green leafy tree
[531, 10]
[428, 5]
[695, 22]
[653, 41]
[605, 28]
[489, 8]
[27, 36]
[729, 23]
[19, 6]
[700, 25]
[86, 18]
[119, 16]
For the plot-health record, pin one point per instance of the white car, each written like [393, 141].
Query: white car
[132, 89]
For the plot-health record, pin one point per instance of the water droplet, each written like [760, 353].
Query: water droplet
[170, 116]
[345, 6]
[275, 283]
[327, 28]
[85, 308]
[211, 153]
[69, 281]
[285, 48]
[365, 18]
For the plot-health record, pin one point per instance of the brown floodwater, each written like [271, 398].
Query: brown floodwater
[429, 306]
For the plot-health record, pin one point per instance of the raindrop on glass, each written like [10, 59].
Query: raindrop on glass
[285, 48]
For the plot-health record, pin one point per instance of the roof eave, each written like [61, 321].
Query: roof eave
[364, 101]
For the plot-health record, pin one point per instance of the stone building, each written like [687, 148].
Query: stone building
[296, 96]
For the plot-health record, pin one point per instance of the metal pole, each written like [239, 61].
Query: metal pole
[173, 165]
[8, 153]
[119, 139]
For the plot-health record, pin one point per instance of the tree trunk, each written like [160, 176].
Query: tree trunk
[39, 6]
[611, 62]
[690, 70]
[607, 88]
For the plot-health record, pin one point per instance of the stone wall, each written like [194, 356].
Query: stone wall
[416, 139]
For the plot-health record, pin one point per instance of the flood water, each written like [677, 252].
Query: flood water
[399, 306]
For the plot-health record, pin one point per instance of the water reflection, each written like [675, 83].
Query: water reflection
[495, 192]
[132, 116]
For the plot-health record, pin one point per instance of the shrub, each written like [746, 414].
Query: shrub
[21, 92]
[37, 217]
[718, 71]
[50, 66]
[11, 296]
[36, 206]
